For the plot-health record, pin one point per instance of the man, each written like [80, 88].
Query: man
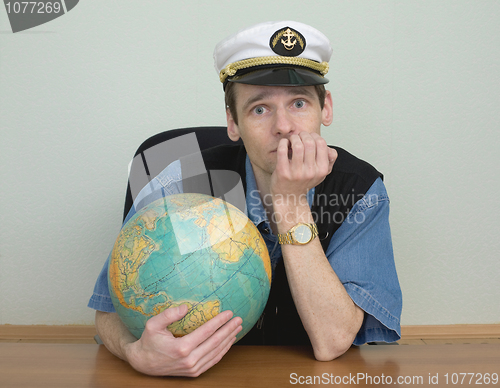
[322, 212]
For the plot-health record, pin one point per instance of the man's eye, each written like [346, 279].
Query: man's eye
[259, 110]
[299, 103]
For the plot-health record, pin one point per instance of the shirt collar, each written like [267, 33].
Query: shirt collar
[255, 208]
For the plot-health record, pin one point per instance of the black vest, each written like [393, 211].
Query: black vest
[348, 182]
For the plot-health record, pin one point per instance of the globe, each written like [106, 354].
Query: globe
[189, 249]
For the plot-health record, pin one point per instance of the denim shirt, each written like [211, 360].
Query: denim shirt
[360, 252]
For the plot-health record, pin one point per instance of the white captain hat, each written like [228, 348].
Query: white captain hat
[282, 53]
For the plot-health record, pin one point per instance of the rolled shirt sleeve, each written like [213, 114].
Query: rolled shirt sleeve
[361, 254]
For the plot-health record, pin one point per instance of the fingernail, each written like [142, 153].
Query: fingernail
[182, 308]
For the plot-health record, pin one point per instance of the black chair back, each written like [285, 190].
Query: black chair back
[157, 152]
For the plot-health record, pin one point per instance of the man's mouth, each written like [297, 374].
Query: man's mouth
[290, 152]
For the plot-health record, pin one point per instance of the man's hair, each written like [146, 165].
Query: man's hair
[230, 98]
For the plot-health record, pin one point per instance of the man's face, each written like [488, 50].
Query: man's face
[266, 114]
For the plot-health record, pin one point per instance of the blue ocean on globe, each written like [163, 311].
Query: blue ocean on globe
[189, 249]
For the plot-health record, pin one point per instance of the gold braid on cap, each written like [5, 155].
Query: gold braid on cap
[232, 68]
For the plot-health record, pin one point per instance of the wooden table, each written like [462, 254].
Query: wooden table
[85, 365]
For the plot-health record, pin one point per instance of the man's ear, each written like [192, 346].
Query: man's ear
[232, 128]
[327, 112]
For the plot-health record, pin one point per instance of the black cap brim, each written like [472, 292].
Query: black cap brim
[280, 76]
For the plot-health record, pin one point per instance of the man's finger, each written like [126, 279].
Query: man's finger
[211, 354]
[166, 317]
[282, 155]
[206, 330]
[297, 153]
[310, 150]
[324, 159]
[332, 155]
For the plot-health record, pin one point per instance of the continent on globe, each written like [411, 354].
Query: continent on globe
[189, 249]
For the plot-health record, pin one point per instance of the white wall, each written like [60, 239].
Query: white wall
[416, 93]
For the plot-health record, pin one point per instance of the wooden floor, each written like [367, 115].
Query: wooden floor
[411, 335]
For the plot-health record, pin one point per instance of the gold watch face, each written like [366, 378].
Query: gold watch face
[302, 234]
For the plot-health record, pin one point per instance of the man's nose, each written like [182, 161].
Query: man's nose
[283, 124]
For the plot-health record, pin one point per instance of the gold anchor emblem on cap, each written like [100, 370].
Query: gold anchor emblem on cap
[288, 44]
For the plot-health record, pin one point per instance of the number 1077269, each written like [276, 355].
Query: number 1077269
[34, 7]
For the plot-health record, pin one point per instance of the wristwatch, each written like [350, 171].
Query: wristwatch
[300, 234]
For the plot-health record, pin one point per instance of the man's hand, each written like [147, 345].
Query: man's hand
[330, 317]
[303, 161]
[159, 353]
